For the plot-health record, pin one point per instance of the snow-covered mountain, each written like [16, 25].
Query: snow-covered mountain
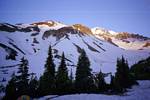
[32, 41]
[125, 40]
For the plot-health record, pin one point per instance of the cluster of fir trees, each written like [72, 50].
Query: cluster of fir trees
[52, 82]
[60, 83]
[141, 69]
[20, 84]
[123, 78]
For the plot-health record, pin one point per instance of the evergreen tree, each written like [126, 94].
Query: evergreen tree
[62, 79]
[115, 86]
[71, 77]
[83, 80]
[141, 70]
[2, 88]
[47, 80]
[50, 66]
[112, 82]
[102, 86]
[33, 85]
[122, 76]
[71, 83]
[11, 89]
[23, 78]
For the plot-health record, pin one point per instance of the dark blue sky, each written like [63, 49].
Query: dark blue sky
[118, 15]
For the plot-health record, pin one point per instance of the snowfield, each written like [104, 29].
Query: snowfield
[138, 92]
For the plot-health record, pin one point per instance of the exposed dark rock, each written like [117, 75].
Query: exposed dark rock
[82, 28]
[3, 67]
[78, 48]
[99, 46]
[32, 45]
[55, 51]
[125, 35]
[126, 41]
[12, 28]
[34, 50]
[27, 40]
[60, 33]
[5, 27]
[45, 23]
[16, 47]
[34, 34]
[35, 41]
[59, 57]
[90, 47]
[147, 44]
[110, 41]
[11, 52]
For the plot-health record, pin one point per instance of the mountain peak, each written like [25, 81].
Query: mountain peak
[49, 23]
[82, 28]
[102, 31]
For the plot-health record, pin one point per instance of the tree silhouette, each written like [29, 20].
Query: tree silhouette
[11, 89]
[23, 78]
[102, 86]
[62, 79]
[83, 80]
